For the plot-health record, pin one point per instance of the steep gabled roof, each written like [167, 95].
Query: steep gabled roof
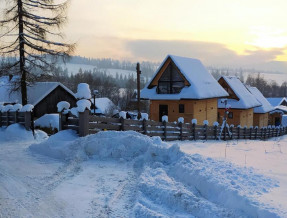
[276, 101]
[246, 99]
[266, 106]
[202, 84]
[35, 93]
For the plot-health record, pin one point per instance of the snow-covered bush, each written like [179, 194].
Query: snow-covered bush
[63, 105]
[27, 108]
[164, 118]
[205, 122]
[194, 121]
[180, 120]
[123, 114]
[83, 104]
[83, 91]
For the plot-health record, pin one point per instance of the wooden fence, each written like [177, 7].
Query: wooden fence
[87, 124]
[24, 118]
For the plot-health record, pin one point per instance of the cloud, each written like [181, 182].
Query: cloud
[210, 53]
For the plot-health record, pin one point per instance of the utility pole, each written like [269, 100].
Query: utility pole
[138, 89]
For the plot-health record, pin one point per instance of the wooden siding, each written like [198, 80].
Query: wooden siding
[260, 120]
[49, 103]
[240, 117]
[199, 109]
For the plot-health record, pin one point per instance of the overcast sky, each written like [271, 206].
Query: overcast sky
[247, 33]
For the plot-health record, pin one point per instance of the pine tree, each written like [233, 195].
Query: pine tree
[30, 31]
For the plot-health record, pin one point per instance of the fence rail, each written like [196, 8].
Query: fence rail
[11, 117]
[87, 124]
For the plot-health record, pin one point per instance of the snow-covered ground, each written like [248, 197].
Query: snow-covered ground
[126, 174]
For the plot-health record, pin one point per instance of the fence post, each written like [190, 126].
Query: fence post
[256, 130]
[122, 120]
[84, 123]
[144, 127]
[164, 130]
[244, 132]
[205, 131]
[62, 120]
[16, 117]
[231, 131]
[7, 118]
[180, 131]
[250, 136]
[215, 132]
[238, 130]
[28, 116]
[193, 132]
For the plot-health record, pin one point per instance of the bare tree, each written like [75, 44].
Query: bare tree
[31, 33]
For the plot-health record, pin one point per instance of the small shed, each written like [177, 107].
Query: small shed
[182, 87]
[261, 113]
[43, 95]
[240, 102]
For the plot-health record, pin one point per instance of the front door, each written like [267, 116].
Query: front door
[163, 110]
[277, 121]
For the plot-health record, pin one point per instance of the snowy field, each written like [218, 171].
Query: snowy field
[74, 69]
[126, 174]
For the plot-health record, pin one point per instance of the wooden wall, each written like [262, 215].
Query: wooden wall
[199, 109]
[49, 103]
[240, 117]
[260, 120]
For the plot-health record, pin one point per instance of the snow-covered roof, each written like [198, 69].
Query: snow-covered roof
[104, 105]
[246, 99]
[279, 109]
[276, 101]
[202, 83]
[35, 93]
[266, 106]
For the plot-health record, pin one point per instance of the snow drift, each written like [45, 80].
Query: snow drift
[170, 182]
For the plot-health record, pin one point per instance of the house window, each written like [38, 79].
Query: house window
[181, 108]
[230, 115]
[170, 82]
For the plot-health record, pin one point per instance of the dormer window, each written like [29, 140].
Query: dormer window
[170, 82]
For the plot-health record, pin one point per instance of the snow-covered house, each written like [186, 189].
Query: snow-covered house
[261, 113]
[240, 102]
[280, 108]
[182, 87]
[43, 95]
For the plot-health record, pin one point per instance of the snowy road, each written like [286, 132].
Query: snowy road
[36, 186]
[126, 174]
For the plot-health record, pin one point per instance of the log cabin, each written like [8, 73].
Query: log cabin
[240, 102]
[261, 113]
[43, 95]
[182, 87]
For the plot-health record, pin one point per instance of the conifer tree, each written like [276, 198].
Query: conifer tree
[30, 31]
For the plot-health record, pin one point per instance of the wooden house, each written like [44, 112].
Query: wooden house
[261, 113]
[280, 108]
[43, 95]
[240, 102]
[182, 87]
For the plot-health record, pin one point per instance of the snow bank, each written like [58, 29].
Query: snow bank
[7, 108]
[48, 121]
[58, 146]
[17, 107]
[83, 91]
[171, 182]
[16, 132]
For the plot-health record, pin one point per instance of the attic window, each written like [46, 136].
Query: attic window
[170, 82]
